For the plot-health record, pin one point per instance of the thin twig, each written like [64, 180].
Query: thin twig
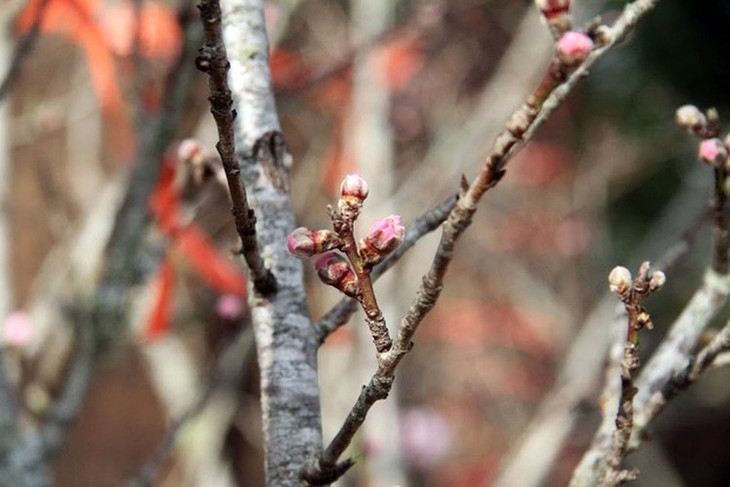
[426, 223]
[213, 60]
[25, 44]
[556, 85]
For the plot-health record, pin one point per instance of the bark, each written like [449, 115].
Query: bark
[286, 343]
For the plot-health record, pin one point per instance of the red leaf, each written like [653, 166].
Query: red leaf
[160, 320]
[208, 263]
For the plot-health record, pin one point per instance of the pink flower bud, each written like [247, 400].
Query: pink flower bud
[229, 306]
[713, 151]
[573, 47]
[552, 8]
[304, 243]
[334, 271]
[353, 192]
[382, 238]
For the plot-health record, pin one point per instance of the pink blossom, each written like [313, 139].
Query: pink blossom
[229, 306]
[426, 436]
[573, 47]
[713, 151]
[382, 238]
[17, 329]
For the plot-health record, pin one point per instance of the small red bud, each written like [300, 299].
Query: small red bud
[353, 192]
[334, 271]
[552, 8]
[382, 238]
[713, 151]
[304, 242]
[573, 47]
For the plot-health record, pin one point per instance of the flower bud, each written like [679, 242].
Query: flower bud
[619, 280]
[691, 118]
[658, 278]
[334, 271]
[573, 47]
[304, 242]
[556, 13]
[353, 192]
[382, 238]
[713, 152]
[552, 8]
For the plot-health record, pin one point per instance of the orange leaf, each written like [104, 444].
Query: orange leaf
[164, 285]
[208, 262]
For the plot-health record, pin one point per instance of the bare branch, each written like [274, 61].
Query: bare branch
[214, 61]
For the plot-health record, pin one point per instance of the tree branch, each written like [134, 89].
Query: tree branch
[213, 61]
[557, 83]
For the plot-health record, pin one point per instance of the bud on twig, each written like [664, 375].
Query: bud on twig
[573, 47]
[555, 12]
[334, 271]
[382, 238]
[713, 152]
[353, 192]
[304, 242]
[619, 280]
[691, 118]
[658, 278]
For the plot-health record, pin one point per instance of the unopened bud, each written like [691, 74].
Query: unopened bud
[353, 192]
[551, 8]
[658, 278]
[304, 242]
[619, 280]
[382, 238]
[691, 118]
[334, 271]
[573, 47]
[713, 152]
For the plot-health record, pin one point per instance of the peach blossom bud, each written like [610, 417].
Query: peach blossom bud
[552, 8]
[229, 306]
[353, 192]
[619, 280]
[334, 271]
[690, 117]
[382, 238]
[713, 151]
[658, 278]
[573, 47]
[304, 243]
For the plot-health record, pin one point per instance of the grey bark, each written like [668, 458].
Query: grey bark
[286, 344]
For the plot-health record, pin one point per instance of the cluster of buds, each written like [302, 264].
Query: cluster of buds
[332, 268]
[556, 13]
[713, 152]
[573, 48]
[620, 281]
[691, 118]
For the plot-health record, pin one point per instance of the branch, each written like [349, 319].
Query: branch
[556, 84]
[213, 61]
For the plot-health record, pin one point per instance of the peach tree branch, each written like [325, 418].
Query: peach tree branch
[213, 60]
[562, 76]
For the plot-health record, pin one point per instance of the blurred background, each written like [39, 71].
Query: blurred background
[410, 94]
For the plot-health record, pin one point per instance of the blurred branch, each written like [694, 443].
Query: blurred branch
[213, 61]
[557, 83]
[22, 48]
